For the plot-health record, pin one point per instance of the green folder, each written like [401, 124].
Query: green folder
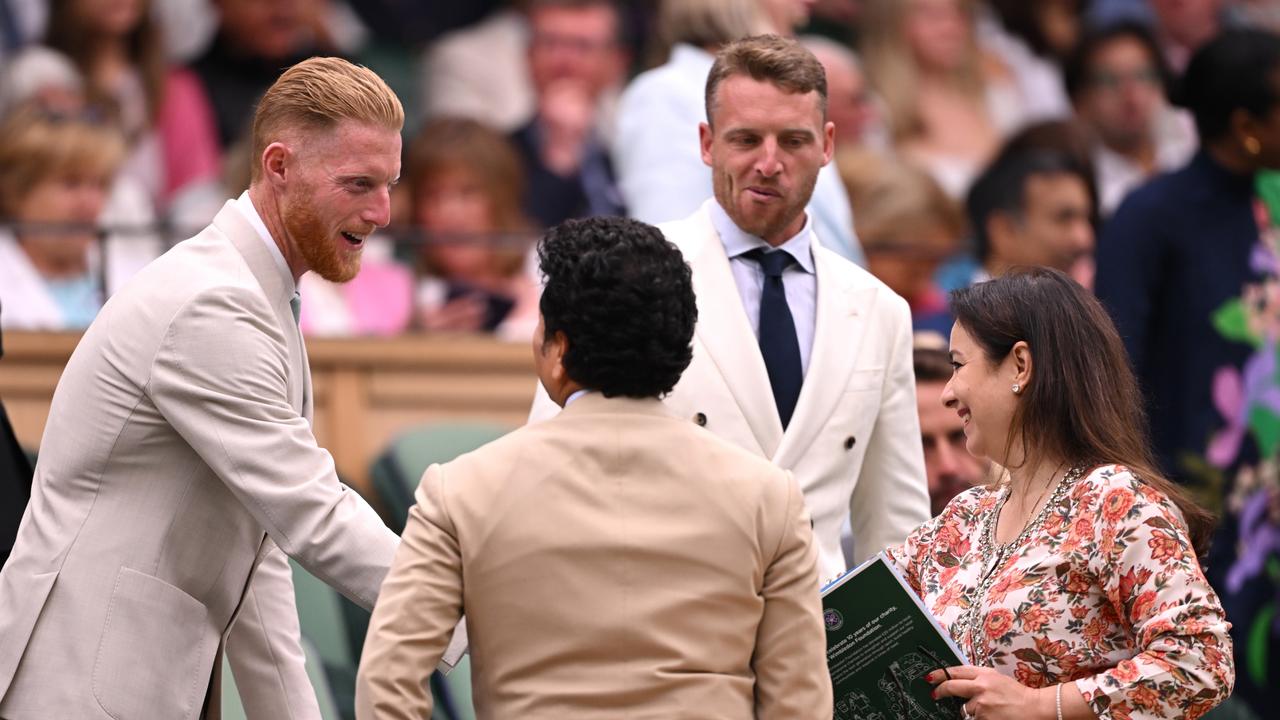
[881, 642]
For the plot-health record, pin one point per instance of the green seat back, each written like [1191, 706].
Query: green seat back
[398, 470]
[335, 628]
[322, 619]
[459, 684]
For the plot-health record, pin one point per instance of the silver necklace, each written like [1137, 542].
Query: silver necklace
[995, 555]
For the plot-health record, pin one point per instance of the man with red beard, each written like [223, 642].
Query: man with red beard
[178, 470]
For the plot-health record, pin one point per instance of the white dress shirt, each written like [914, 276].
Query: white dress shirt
[250, 213]
[799, 282]
[658, 158]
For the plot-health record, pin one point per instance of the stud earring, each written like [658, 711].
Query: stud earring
[1251, 145]
[1017, 388]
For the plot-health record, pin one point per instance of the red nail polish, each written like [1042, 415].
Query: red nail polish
[934, 694]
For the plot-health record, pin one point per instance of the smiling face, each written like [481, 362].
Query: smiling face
[338, 193]
[980, 392]
[765, 147]
[948, 466]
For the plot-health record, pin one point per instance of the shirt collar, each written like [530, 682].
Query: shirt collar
[574, 396]
[737, 241]
[250, 213]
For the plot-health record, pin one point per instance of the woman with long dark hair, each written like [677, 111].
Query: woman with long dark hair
[1071, 584]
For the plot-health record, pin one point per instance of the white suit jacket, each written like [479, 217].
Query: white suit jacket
[853, 443]
[177, 470]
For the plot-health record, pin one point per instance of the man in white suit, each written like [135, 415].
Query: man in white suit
[799, 355]
[178, 468]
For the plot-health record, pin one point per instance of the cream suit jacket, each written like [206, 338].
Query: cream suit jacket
[613, 562]
[177, 471]
[853, 443]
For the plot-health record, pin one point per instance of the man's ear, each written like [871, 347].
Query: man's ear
[558, 346]
[828, 142]
[705, 136]
[276, 162]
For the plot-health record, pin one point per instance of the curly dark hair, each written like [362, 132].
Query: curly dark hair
[623, 297]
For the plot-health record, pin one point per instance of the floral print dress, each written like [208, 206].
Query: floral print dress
[1103, 588]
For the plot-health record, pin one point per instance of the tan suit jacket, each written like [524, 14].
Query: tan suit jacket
[177, 471]
[854, 440]
[612, 562]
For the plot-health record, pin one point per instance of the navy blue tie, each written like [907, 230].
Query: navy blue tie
[778, 344]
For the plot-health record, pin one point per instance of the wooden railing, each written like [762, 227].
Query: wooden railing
[366, 390]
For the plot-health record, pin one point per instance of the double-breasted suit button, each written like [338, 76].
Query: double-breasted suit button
[849, 442]
[700, 419]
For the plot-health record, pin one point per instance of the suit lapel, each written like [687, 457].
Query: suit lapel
[837, 336]
[278, 291]
[725, 333]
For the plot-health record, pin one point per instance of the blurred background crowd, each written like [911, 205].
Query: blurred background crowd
[128, 119]
[972, 136]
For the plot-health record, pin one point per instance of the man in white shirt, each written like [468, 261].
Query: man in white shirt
[799, 355]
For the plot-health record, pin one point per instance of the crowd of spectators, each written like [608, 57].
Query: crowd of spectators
[964, 129]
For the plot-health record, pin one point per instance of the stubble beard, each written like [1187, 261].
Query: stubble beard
[769, 224]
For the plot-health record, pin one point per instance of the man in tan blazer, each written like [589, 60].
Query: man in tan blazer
[821, 384]
[178, 468]
[615, 561]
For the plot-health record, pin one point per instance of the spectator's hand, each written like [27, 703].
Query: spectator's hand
[989, 695]
[567, 113]
[464, 314]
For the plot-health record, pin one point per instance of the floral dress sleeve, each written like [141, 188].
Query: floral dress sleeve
[938, 536]
[913, 553]
[1154, 587]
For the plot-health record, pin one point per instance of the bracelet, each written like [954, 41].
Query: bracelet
[1058, 700]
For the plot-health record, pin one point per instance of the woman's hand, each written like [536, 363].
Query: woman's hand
[989, 695]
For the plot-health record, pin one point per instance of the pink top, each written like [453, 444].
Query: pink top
[188, 136]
